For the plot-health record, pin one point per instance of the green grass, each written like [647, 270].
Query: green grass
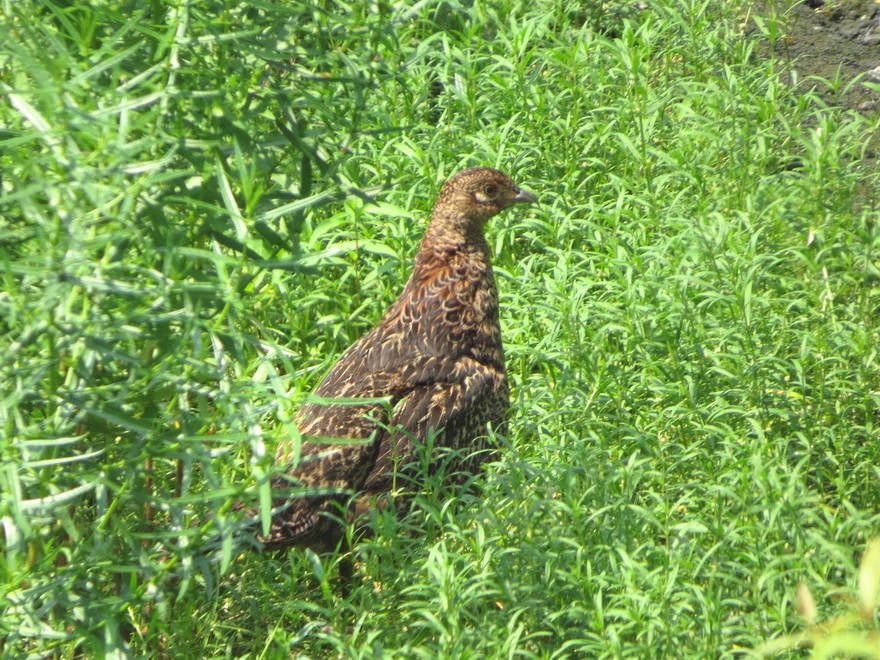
[202, 205]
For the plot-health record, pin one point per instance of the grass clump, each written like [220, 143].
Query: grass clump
[202, 206]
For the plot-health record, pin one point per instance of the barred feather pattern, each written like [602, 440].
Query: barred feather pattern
[436, 358]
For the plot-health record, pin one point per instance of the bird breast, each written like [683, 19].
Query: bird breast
[452, 299]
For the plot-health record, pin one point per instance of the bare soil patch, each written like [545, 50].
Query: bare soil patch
[836, 40]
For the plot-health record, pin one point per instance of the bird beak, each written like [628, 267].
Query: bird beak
[524, 197]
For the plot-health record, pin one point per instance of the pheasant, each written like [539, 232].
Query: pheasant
[435, 361]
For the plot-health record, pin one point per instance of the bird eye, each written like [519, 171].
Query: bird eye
[490, 190]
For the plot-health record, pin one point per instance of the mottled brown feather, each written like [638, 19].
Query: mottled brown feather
[436, 356]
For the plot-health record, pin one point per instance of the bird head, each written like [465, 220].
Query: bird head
[474, 195]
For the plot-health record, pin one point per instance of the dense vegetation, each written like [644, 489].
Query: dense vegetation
[203, 204]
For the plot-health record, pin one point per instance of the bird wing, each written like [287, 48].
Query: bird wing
[332, 472]
[460, 406]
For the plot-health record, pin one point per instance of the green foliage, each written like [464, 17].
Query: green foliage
[853, 633]
[203, 204]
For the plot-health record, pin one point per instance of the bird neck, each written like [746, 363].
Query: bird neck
[450, 234]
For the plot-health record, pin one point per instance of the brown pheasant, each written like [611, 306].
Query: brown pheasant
[435, 357]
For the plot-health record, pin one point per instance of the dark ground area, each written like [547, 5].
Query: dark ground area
[833, 47]
[835, 39]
